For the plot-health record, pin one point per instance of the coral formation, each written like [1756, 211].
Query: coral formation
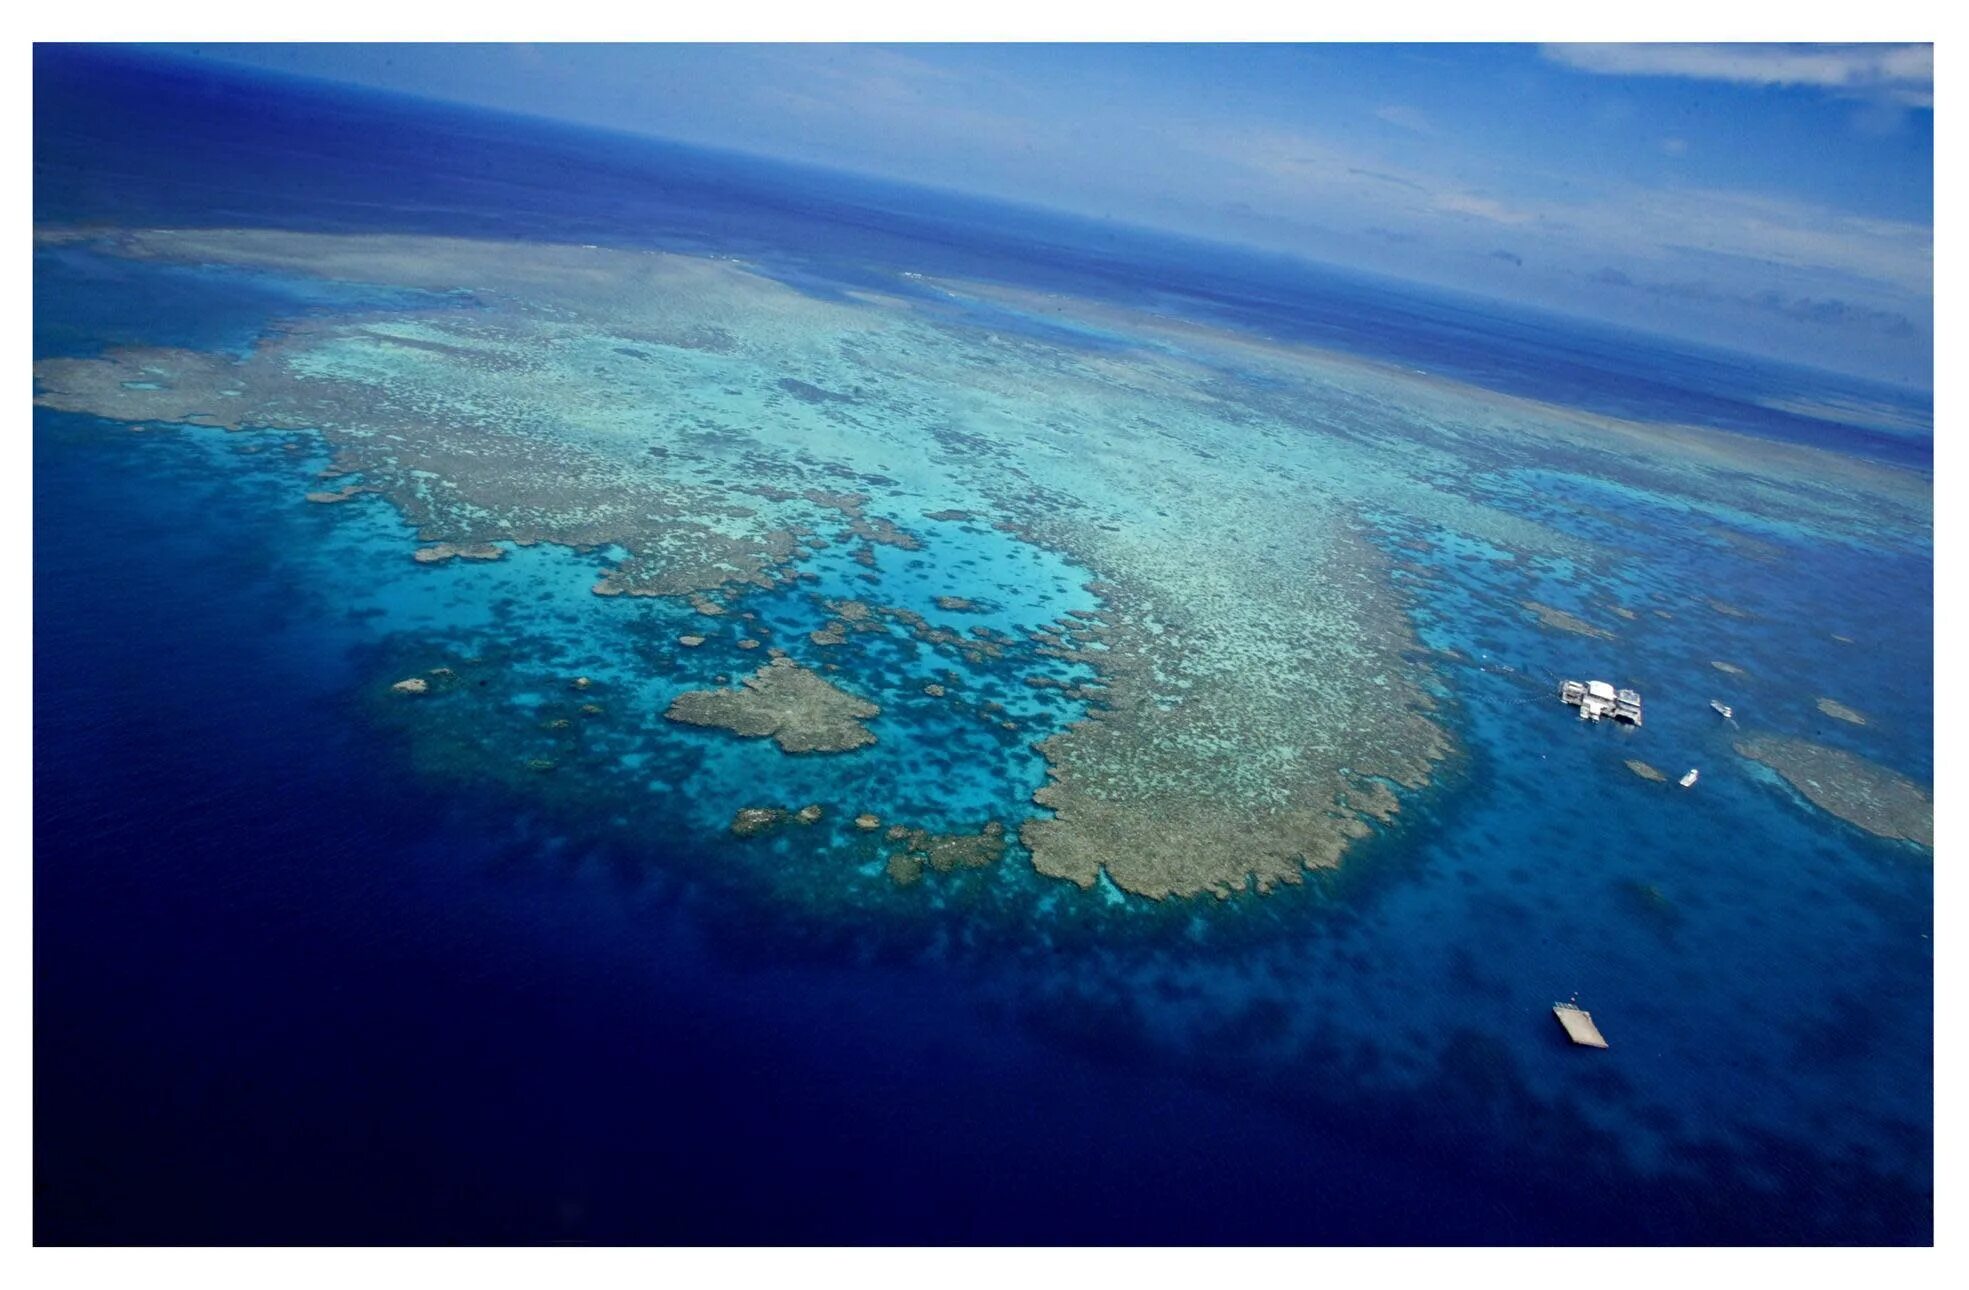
[443, 551]
[1861, 792]
[1840, 712]
[754, 820]
[942, 852]
[798, 709]
[1560, 620]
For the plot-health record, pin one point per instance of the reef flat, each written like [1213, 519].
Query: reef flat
[1241, 693]
[1248, 780]
[1881, 801]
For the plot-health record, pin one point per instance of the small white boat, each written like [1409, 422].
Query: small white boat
[1722, 708]
[1689, 778]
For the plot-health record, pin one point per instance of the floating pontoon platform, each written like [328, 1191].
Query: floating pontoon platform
[1596, 699]
[1579, 1025]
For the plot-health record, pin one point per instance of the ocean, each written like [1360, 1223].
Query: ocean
[309, 970]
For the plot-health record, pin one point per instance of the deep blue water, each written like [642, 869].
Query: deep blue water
[288, 991]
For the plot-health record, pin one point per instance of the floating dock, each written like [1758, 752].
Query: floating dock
[1579, 1025]
[1597, 699]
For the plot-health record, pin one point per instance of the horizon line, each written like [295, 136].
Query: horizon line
[170, 54]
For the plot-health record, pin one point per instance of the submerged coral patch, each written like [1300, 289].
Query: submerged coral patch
[1840, 712]
[1725, 608]
[1881, 801]
[750, 821]
[1564, 621]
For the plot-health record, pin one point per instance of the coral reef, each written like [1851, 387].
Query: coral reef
[1560, 620]
[1201, 772]
[942, 852]
[797, 709]
[443, 551]
[1249, 696]
[1881, 801]
[754, 820]
[1840, 712]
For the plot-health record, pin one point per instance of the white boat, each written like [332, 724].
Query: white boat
[1689, 778]
[1722, 708]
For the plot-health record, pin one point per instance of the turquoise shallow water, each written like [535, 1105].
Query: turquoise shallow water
[568, 1005]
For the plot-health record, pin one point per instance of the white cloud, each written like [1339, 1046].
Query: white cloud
[1461, 203]
[1407, 118]
[1902, 73]
[1298, 176]
[1303, 173]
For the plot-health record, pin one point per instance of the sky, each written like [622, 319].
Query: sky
[1776, 199]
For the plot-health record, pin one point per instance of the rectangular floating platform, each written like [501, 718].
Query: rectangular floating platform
[1597, 699]
[1579, 1025]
